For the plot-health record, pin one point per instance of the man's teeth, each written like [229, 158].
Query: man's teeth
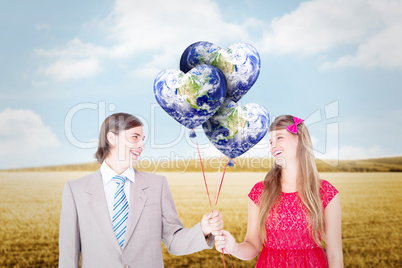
[136, 153]
[277, 152]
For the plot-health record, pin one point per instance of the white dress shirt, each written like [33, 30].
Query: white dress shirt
[110, 185]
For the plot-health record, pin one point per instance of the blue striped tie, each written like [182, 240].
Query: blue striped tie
[120, 210]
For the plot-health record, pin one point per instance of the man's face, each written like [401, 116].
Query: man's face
[130, 144]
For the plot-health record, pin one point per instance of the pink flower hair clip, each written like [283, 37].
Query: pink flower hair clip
[293, 128]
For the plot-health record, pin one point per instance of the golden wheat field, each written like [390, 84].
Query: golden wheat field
[371, 216]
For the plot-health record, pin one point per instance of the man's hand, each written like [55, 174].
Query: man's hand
[212, 223]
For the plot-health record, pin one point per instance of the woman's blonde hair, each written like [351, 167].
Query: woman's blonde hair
[308, 184]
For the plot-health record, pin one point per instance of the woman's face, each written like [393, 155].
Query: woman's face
[283, 146]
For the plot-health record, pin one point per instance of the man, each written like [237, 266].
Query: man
[117, 216]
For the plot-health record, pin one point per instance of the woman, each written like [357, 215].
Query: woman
[292, 210]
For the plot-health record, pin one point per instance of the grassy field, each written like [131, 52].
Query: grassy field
[371, 216]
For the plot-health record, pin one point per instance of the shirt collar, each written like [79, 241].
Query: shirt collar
[108, 173]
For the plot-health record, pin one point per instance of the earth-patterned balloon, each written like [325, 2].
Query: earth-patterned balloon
[233, 130]
[239, 62]
[193, 97]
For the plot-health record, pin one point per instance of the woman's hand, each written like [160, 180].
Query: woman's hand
[249, 249]
[226, 242]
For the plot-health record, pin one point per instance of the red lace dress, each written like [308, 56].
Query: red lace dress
[288, 241]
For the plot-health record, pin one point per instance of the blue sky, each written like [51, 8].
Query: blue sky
[64, 66]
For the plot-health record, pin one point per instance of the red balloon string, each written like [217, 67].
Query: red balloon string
[206, 187]
[223, 175]
[217, 179]
[203, 173]
[224, 264]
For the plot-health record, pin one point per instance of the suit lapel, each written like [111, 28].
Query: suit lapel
[137, 201]
[99, 208]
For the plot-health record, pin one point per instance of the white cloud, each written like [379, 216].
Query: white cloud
[164, 28]
[380, 50]
[317, 26]
[22, 137]
[167, 28]
[168, 59]
[320, 26]
[71, 69]
[157, 25]
[74, 49]
[76, 61]
[161, 30]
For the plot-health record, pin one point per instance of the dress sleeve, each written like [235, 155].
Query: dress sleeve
[256, 191]
[327, 192]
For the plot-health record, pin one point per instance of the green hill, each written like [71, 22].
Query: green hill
[389, 164]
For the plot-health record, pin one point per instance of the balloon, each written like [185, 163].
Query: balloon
[239, 62]
[193, 97]
[233, 130]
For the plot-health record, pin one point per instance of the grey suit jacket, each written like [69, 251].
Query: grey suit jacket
[86, 228]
